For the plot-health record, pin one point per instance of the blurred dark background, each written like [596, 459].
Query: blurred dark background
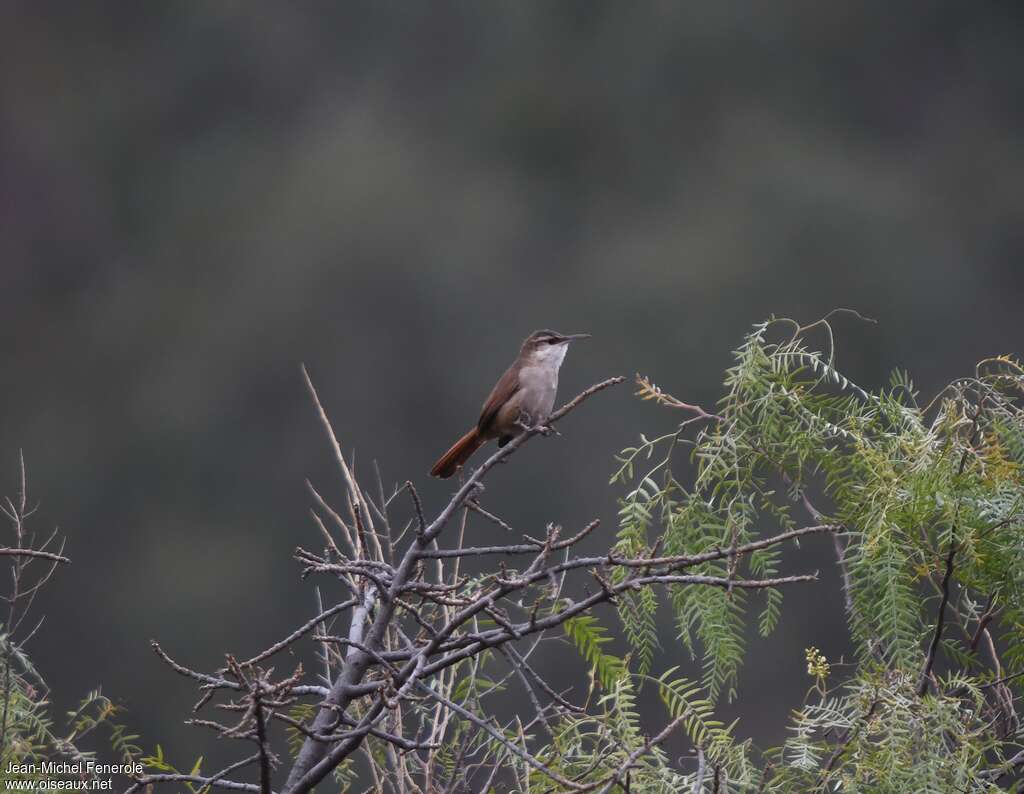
[197, 197]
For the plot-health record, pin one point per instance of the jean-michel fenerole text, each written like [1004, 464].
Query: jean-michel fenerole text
[87, 767]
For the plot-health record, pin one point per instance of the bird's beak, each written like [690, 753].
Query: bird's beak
[571, 337]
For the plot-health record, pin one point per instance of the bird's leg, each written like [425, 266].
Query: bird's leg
[525, 421]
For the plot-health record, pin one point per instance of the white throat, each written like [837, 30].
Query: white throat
[550, 356]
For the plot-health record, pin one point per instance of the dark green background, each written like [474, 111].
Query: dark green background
[195, 197]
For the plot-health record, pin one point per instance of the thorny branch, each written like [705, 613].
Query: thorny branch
[419, 626]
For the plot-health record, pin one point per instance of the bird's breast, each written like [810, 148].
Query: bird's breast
[537, 387]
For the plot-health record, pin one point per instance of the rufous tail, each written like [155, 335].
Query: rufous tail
[457, 455]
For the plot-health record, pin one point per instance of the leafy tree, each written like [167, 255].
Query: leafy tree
[928, 504]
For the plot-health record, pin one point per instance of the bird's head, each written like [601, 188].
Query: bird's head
[547, 346]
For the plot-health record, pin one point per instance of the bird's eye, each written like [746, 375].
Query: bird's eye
[552, 341]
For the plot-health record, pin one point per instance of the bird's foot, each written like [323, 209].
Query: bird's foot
[523, 423]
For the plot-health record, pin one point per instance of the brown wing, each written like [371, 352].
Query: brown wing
[507, 385]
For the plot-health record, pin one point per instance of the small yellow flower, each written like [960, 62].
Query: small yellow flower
[817, 664]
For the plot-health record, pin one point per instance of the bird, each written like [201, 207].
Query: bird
[521, 399]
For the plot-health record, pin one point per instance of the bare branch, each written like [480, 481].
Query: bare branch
[218, 780]
[485, 726]
[299, 632]
[7, 551]
[314, 762]
[926, 670]
[413, 619]
[640, 751]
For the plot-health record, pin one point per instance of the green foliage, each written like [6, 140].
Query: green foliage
[683, 700]
[588, 635]
[303, 713]
[590, 747]
[31, 736]
[910, 487]
[158, 763]
[637, 609]
[95, 712]
[344, 774]
[891, 740]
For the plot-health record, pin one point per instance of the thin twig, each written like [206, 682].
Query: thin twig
[7, 551]
[926, 670]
